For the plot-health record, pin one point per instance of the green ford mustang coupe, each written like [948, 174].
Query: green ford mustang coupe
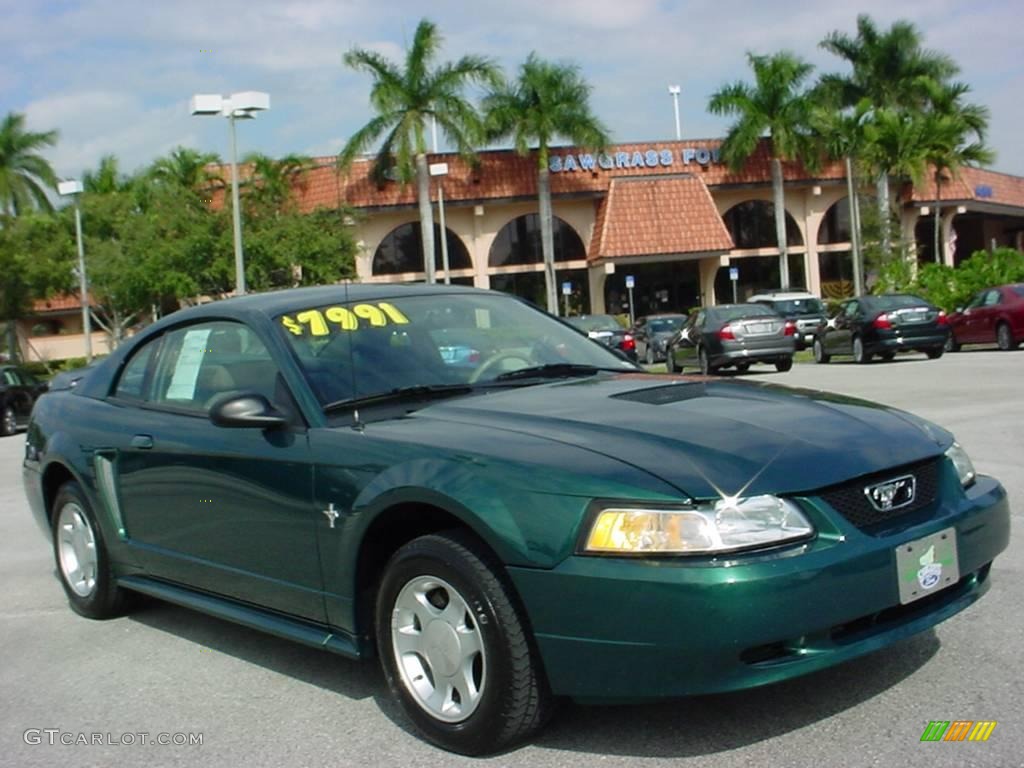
[500, 509]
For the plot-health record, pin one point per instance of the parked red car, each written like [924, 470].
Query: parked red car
[994, 315]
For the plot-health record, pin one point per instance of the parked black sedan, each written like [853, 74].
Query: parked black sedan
[733, 335]
[652, 333]
[883, 325]
[18, 393]
[606, 330]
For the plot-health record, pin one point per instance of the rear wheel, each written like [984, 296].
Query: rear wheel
[888, 356]
[820, 355]
[783, 365]
[1004, 338]
[951, 344]
[455, 648]
[742, 367]
[860, 355]
[705, 362]
[670, 362]
[82, 561]
[8, 421]
[649, 355]
[934, 354]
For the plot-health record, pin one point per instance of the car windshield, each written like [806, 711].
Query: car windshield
[1018, 289]
[589, 323]
[354, 350]
[665, 324]
[810, 306]
[729, 312]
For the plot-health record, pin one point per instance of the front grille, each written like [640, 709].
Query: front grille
[849, 499]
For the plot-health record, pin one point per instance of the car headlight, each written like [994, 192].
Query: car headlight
[962, 462]
[727, 525]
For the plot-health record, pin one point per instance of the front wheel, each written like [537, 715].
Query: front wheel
[951, 344]
[670, 362]
[705, 362]
[455, 649]
[82, 561]
[783, 365]
[649, 355]
[820, 355]
[934, 354]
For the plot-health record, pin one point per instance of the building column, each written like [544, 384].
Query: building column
[908, 229]
[708, 271]
[946, 230]
[596, 277]
[480, 277]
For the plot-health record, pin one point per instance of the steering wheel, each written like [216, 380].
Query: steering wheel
[496, 358]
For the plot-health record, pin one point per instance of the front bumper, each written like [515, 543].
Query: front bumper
[616, 629]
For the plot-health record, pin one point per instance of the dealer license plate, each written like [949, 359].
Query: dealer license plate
[926, 565]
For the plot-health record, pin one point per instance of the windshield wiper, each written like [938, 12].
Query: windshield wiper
[401, 394]
[558, 371]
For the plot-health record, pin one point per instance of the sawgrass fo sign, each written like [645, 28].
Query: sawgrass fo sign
[640, 158]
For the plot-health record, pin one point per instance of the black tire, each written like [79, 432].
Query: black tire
[706, 368]
[784, 365]
[820, 355]
[96, 596]
[8, 421]
[860, 355]
[742, 367]
[934, 354]
[670, 362]
[649, 355]
[514, 700]
[951, 344]
[1004, 337]
[888, 356]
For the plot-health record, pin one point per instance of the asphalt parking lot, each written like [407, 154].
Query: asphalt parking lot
[260, 701]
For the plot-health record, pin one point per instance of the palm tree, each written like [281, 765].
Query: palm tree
[404, 99]
[24, 174]
[891, 71]
[950, 146]
[186, 168]
[270, 186]
[774, 106]
[107, 177]
[545, 102]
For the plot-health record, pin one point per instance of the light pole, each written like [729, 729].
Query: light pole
[441, 170]
[675, 91]
[73, 188]
[237, 106]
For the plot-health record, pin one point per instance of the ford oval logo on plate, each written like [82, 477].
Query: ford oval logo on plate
[892, 494]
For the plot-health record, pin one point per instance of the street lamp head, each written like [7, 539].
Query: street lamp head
[206, 104]
[675, 90]
[69, 187]
[249, 101]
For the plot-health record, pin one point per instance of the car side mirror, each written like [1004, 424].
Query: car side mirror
[246, 410]
[959, 310]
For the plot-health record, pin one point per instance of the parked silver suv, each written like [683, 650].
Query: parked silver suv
[805, 310]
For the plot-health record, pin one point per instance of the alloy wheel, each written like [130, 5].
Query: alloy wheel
[77, 550]
[438, 649]
[1004, 338]
[10, 421]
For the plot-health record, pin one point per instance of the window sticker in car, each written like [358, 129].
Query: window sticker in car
[186, 369]
[323, 322]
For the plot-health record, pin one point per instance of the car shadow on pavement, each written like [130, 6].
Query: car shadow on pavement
[705, 725]
[685, 727]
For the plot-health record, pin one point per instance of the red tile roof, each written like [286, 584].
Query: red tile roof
[59, 303]
[975, 184]
[503, 174]
[667, 215]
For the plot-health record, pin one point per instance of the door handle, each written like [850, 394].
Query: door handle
[142, 441]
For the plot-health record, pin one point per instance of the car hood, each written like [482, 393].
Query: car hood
[709, 437]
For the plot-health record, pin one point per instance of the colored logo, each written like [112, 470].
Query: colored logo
[958, 730]
[892, 494]
[931, 571]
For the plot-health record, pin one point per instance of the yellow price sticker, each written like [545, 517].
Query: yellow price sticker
[318, 322]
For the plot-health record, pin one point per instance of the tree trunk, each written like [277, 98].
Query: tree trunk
[426, 216]
[851, 199]
[779, 203]
[939, 251]
[547, 240]
[883, 211]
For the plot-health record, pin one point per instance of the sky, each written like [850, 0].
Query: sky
[115, 76]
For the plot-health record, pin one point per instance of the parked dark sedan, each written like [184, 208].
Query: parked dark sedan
[652, 333]
[732, 335]
[995, 315]
[883, 325]
[19, 391]
[606, 330]
[805, 310]
[551, 522]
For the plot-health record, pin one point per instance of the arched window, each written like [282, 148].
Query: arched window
[752, 225]
[835, 227]
[518, 242]
[402, 251]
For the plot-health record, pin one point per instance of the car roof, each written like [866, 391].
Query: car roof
[782, 295]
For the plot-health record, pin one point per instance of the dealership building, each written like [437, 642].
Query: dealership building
[669, 214]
